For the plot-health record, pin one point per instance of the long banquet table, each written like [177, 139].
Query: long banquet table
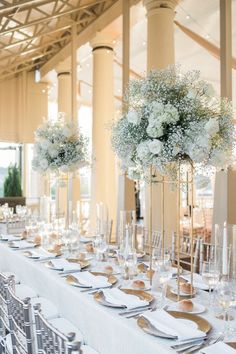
[102, 327]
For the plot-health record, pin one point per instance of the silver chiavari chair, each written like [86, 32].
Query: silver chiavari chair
[15, 227]
[52, 341]
[20, 322]
[185, 251]
[156, 242]
[4, 322]
[211, 252]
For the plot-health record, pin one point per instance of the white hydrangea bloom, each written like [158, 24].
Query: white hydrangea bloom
[45, 144]
[212, 127]
[53, 152]
[133, 117]
[171, 113]
[155, 130]
[43, 164]
[197, 155]
[157, 107]
[155, 146]
[67, 132]
[143, 151]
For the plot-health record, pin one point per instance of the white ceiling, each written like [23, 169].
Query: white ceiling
[200, 16]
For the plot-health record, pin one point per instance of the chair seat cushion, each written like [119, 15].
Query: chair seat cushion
[65, 327]
[88, 350]
[22, 291]
[49, 310]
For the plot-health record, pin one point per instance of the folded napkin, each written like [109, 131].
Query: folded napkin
[40, 253]
[64, 265]
[85, 239]
[197, 281]
[170, 325]
[218, 348]
[21, 244]
[117, 297]
[9, 238]
[90, 280]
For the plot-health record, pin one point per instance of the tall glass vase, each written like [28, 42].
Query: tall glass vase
[127, 227]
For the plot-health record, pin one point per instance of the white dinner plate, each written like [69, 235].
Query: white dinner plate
[181, 293]
[197, 308]
[128, 285]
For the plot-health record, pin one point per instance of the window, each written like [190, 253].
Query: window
[10, 153]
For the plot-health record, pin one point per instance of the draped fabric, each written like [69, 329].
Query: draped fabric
[24, 104]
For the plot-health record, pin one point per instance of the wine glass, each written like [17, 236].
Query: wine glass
[161, 277]
[226, 298]
[101, 246]
[211, 276]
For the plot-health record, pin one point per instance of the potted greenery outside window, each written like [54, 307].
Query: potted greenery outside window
[12, 188]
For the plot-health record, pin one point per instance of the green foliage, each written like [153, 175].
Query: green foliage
[12, 183]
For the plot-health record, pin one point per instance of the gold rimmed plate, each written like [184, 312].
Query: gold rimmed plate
[83, 265]
[32, 255]
[142, 295]
[75, 282]
[201, 323]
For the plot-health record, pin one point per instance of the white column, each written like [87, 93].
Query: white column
[104, 184]
[161, 54]
[126, 188]
[65, 105]
[64, 88]
[224, 194]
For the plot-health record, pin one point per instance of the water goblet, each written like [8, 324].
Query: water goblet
[226, 298]
[211, 276]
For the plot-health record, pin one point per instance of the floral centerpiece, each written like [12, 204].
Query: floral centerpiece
[59, 147]
[172, 116]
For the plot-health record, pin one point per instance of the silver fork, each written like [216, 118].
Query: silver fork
[133, 313]
[205, 343]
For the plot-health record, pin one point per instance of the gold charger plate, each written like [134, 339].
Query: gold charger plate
[202, 324]
[83, 264]
[231, 344]
[143, 295]
[73, 281]
[31, 255]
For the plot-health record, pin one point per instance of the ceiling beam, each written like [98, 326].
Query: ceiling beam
[86, 35]
[49, 17]
[35, 48]
[18, 5]
[22, 41]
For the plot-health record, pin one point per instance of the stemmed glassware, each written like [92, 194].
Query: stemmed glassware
[226, 298]
[211, 276]
[161, 277]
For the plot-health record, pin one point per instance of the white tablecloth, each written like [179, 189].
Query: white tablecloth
[102, 327]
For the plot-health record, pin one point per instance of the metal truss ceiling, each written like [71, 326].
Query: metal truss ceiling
[33, 31]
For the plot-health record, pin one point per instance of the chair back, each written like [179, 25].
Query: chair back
[185, 251]
[156, 242]
[4, 322]
[211, 252]
[20, 321]
[15, 227]
[50, 340]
